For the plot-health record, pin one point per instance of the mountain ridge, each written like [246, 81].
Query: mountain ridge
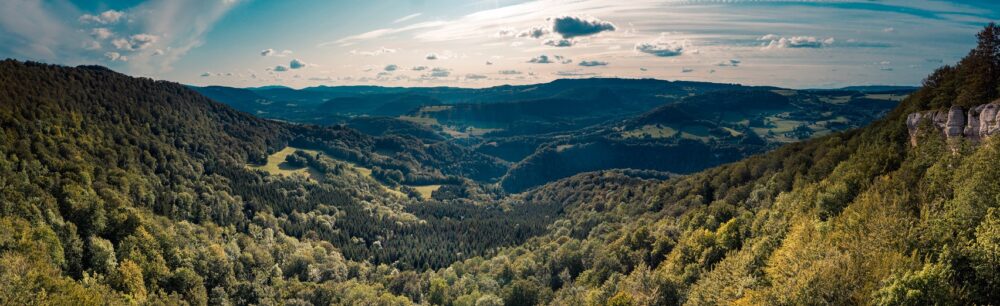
[112, 194]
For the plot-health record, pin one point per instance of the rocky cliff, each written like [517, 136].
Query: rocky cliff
[975, 124]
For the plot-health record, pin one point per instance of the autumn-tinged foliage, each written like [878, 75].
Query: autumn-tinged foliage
[105, 202]
[129, 189]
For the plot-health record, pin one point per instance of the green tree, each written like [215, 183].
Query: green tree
[522, 293]
[102, 255]
[128, 279]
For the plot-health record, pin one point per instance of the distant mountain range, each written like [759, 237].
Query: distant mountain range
[554, 130]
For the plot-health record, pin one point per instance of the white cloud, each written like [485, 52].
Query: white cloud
[280, 68]
[795, 42]
[419, 68]
[472, 76]
[541, 59]
[135, 42]
[534, 32]
[885, 65]
[559, 42]
[438, 72]
[661, 48]
[391, 67]
[107, 17]
[101, 33]
[275, 53]
[115, 57]
[506, 32]
[509, 72]
[296, 64]
[770, 37]
[376, 52]
[121, 44]
[143, 41]
[431, 56]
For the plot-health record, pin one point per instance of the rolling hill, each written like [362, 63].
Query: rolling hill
[128, 190]
[558, 129]
[121, 190]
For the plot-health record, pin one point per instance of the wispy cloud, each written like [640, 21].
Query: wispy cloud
[669, 38]
[407, 17]
[148, 37]
[795, 42]
[376, 52]
[350, 40]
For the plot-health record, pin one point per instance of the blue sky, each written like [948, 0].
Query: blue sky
[790, 43]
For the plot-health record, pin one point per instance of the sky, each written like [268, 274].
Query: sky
[470, 43]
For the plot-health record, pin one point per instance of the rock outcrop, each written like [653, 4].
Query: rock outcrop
[955, 123]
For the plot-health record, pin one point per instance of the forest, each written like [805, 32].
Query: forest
[121, 190]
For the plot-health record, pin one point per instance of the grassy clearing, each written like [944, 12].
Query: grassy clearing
[651, 130]
[835, 99]
[420, 120]
[276, 165]
[733, 132]
[785, 92]
[564, 147]
[426, 190]
[888, 97]
[434, 108]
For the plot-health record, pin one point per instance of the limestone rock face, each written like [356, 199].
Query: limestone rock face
[976, 124]
[955, 127]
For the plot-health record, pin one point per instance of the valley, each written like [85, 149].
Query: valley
[123, 190]
[625, 121]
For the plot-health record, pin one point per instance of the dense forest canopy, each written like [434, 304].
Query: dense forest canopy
[555, 130]
[118, 190]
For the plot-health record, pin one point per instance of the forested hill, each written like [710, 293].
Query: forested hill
[854, 218]
[116, 189]
[140, 215]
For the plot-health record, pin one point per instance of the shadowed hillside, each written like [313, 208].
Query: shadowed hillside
[119, 190]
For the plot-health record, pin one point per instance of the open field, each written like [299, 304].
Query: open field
[276, 165]
[426, 190]
[651, 130]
